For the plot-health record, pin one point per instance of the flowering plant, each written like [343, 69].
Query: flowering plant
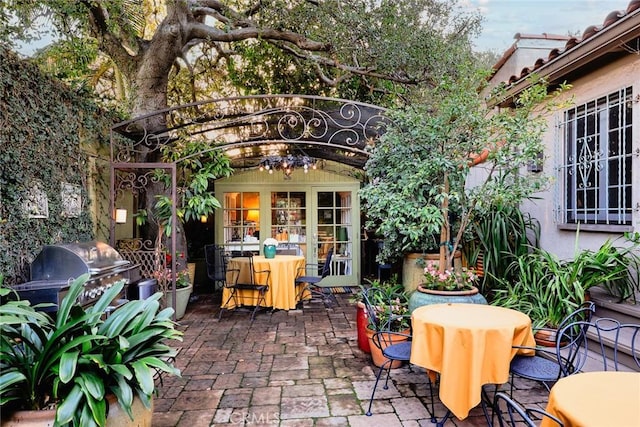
[270, 242]
[164, 278]
[448, 280]
[387, 306]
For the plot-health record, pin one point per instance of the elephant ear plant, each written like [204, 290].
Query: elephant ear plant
[73, 362]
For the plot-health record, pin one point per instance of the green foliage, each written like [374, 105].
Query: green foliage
[46, 134]
[387, 305]
[548, 288]
[503, 233]
[75, 360]
[420, 172]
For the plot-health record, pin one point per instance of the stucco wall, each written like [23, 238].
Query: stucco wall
[619, 74]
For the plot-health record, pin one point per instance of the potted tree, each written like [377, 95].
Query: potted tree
[81, 365]
[453, 156]
[198, 164]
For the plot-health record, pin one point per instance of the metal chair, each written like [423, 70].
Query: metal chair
[258, 281]
[511, 414]
[583, 313]
[378, 305]
[552, 363]
[308, 282]
[615, 340]
[216, 261]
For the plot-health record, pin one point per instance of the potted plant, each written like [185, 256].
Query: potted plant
[425, 164]
[448, 286]
[548, 289]
[184, 287]
[386, 310]
[73, 364]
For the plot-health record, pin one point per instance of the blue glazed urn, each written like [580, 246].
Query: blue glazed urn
[423, 296]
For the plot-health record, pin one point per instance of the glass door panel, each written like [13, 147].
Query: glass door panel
[289, 219]
[241, 222]
[334, 229]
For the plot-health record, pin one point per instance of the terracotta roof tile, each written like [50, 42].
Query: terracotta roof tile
[571, 43]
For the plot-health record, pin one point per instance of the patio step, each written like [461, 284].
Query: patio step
[624, 312]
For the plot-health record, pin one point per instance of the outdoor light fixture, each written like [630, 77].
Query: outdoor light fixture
[121, 216]
[288, 163]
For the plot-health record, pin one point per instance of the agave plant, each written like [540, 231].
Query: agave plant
[73, 362]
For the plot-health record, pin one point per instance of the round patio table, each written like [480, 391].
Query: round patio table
[470, 345]
[281, 293]
[596, 399]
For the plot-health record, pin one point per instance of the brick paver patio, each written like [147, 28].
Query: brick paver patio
[297, 368]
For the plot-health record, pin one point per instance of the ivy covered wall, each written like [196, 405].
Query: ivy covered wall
[53, 165]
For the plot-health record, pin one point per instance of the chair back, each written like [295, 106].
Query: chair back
[571, 347]
[610, 337]
[288, 249]
[326, 268]
[216, 261]
[584, 313]
[511, 414]
[379, 306]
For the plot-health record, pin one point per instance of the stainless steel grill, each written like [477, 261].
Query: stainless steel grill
[57, 265]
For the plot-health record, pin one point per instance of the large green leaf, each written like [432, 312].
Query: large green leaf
[144, 376]
[69, 405]
[68, 362]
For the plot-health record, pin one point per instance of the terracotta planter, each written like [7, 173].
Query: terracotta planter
[182, 299]
[376, 353]
[423, 296]
[116, 417]
[361, 324]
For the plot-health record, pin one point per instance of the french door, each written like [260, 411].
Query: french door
[335, 225]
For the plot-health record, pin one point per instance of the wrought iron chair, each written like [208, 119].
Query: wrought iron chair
[583, 313]
[305, 281]
[216, 261]
[379, 308]
[615, 340]
[511, 414]
[552, 363]
[258, 282]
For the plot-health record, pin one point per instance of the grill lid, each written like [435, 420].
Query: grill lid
[62, 262]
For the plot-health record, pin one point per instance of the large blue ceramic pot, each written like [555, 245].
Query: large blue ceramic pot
[423, 296]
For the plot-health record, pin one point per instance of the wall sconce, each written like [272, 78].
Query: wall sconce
[121, 216]
[204, 219]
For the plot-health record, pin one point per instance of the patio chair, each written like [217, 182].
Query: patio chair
[584, 313]
[216, 261]
[549, 364]
[613, 341]
[258, 282]
[395, 345]
[511, 414]
[305, 281]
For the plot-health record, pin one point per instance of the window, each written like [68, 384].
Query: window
[596, 169]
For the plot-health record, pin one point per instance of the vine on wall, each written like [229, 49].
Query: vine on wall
[47, 134]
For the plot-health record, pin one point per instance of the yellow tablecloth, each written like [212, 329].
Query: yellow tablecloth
[282, 291]
[596, 399]
[469, 345]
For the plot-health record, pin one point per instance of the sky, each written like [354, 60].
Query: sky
[502, 19]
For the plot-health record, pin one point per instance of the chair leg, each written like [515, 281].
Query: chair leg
[373, 392]
[261, 299]
[222, 306]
